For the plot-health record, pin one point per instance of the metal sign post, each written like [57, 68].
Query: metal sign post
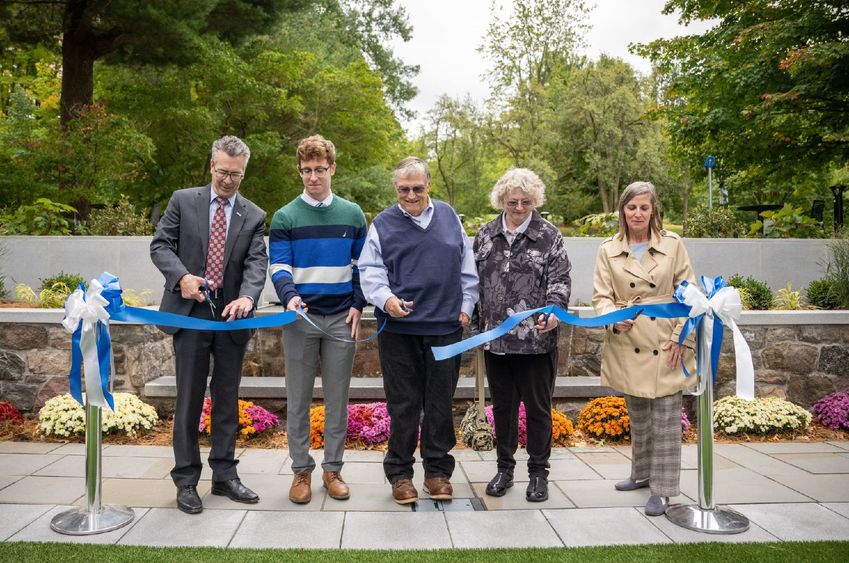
[710, 163]
[706, 516]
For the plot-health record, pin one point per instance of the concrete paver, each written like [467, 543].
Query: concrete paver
[797, 522]
[40, 530]
[516, 528]
[604, 526]
[170, 527]
[380, 530]
[789, 490]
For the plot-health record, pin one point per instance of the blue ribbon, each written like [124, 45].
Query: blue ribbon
[709, 286]
[660, 310]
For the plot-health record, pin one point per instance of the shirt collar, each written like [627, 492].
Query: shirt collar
[531, 226]
[314, 202]
[427, 211]
[521, 228]
[213, 196]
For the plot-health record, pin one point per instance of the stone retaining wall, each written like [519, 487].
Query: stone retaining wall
[800, 356]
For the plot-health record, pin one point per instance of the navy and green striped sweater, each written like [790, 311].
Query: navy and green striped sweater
[313, 253]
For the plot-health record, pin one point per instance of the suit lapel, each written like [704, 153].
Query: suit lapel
[202, 208]
[237, 221]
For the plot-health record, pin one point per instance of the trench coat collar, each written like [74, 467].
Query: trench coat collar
[643, 270]
[532, 232]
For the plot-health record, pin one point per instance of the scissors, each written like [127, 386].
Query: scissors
[205, 289]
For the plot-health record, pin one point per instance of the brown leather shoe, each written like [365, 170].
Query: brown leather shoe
[301, 490]
[404, 492]
[439, 488]
[335, 485]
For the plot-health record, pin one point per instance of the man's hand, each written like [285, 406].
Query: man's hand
[294, 302]
[675, 353]
[190, 288]
[395, 307]
[546, 323]
[353, 319]
[464, 319]
[237, 309]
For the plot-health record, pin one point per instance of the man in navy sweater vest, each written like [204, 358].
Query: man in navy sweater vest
[418, 269]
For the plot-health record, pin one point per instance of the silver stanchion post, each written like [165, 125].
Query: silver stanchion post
[706, 516]
[93, 518]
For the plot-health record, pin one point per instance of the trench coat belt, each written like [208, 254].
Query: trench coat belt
[640, 300]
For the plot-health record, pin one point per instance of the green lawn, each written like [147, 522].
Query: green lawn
[795, 552]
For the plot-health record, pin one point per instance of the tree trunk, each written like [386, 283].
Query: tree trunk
[78, 56]
[685, 203]
[605, 202]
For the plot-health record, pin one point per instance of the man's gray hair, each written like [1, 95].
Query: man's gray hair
[231, 146]
[409, 166]
[522, 178]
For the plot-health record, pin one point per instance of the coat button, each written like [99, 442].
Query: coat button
[654, 352]
[652, 318]
[633, 284]
[651, 285]
[636, 350]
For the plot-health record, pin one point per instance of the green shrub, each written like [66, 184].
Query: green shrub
[822, 293]
[754, 294]
[71, 281]
[44, 217]
[787, 299]
[838, 270]
[598, 225]
[53, 292]
[767, 415]
[787, 222]
[719, 222]
[122, 219]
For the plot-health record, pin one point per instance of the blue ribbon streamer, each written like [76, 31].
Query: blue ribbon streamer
[75, 377]
[660, 310]
[710, 286]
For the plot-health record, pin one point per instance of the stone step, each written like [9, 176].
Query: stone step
[372, 388]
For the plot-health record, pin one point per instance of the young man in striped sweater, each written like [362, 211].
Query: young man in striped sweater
[315, 242]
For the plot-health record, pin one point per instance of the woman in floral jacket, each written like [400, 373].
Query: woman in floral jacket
[522, 264]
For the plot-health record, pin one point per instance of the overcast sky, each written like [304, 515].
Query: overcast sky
[446, 34]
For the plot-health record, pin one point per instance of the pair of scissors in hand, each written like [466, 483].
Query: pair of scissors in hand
[205, 289]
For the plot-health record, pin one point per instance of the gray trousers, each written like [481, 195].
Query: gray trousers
[303, 346]
[656, 442]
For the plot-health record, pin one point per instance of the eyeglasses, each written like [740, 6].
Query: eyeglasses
[320, 171]
[405, 190]
[234, 176]
[514, 203]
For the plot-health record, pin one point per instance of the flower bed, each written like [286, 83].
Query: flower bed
[768, 415]
[64, 416]
[368, 425]
[253, 419]
[833, 411]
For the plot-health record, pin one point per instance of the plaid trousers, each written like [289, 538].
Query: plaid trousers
[656, 442]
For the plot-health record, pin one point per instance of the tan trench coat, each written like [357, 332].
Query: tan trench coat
[633, 361]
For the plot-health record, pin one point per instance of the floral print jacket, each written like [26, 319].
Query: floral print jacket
[532, 272]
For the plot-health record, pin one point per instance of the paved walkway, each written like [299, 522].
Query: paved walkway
[789, 491]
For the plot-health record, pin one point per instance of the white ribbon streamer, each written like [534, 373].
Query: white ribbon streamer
[88, 309]
[727, 306]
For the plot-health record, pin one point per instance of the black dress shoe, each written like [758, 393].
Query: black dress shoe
[499, 484]
[537, 489]
[234, 490]
[188, 500]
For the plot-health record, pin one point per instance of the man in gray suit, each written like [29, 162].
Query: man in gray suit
[209, 245]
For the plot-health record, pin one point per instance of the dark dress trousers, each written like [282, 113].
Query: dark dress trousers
[179, 247]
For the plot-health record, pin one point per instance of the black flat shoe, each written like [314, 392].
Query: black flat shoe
[499, 484]
[234, 490]
[188, 500]
[537, 489]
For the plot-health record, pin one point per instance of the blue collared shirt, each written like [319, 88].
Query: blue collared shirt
[314, 202]
[375, 281]
[228, 209]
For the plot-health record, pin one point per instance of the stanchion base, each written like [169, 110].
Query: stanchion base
[82, 522]
[709, 521]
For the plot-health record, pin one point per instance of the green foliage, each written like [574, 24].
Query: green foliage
[598, 225]
[71, 281]
[44, 217]
[765, 415]
[121, 219]
[787, 298]
[718, 222]
[838, 270]
[755, 294]
[787, 222]
[823, 293]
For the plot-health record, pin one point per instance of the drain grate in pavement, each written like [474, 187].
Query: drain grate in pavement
[456, 505]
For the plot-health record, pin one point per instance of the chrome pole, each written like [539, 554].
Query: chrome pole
[706, 516]
[94, 518]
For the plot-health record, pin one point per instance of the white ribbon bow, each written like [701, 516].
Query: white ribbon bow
[88, 309]
[727, 306]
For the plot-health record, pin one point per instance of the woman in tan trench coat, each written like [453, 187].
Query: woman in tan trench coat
[643, 264]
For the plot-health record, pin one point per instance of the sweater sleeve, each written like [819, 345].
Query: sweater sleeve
[280, 257]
